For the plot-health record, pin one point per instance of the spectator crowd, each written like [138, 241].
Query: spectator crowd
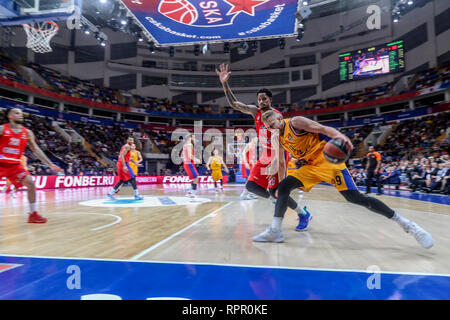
[429, 174]
[74, 87]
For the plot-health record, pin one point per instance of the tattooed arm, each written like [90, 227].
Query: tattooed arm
[224, 75]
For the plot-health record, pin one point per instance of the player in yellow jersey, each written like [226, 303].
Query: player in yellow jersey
[9, 185]
[215, 164]
[305, 139]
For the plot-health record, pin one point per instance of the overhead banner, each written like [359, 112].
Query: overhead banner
[181, 22]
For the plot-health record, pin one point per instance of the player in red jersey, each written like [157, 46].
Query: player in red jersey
[124, 170]
[14, 138]
[189, 161]
[261, 182]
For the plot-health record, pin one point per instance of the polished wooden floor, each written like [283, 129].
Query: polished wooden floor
[219, 230]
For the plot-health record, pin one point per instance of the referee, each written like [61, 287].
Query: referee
[373, 167]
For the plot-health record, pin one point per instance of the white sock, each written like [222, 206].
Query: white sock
[33, 207]
[400, 220]
[244, 193]
[276, 223]
[136, 192]
[300, 210]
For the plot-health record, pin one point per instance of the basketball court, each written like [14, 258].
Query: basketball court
[185, 243]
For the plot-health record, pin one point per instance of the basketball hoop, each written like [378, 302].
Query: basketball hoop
[39, 35]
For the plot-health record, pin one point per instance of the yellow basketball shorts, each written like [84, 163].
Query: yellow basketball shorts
[217, 175]
[134, 168]
[321, 170]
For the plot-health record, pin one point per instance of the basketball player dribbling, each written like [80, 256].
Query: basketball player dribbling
[215, 164]
[124, 171]
[189, 161]
[14, 138]
[305, 139]
[260, 182]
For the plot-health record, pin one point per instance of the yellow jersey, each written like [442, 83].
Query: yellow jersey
[134, 156]
[216, 168]
[216, 164]
[302, 144]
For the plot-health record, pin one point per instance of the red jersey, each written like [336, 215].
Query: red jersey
[264, 137]
[126, 156]
[250, 155]
[12, 145]
[186, 157]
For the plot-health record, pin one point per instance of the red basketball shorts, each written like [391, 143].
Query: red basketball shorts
[124, 175]
[16, 173]
[245, 172]
[190, 170]
[260, 176]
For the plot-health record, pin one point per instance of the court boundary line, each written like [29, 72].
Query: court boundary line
[118, 219]
[233, 265]
[142, 253]
[13, 266]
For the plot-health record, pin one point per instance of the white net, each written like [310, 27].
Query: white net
[39, 35]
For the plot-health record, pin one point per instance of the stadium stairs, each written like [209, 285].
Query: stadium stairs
[377, 137]
[72, 136]
[440, 139]
[154, 146]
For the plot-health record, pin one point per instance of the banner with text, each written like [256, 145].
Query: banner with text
[192, 21]
[59, 182]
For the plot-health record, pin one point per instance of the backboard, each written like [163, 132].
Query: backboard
[17, 12]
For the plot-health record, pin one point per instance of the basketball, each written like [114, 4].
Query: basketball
[336, 151]
[179, 10]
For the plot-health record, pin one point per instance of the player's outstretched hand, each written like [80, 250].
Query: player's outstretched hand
[223, 73]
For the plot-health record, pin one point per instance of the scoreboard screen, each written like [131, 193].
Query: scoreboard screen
[370, 62]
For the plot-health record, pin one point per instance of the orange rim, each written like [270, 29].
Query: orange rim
[43, 31]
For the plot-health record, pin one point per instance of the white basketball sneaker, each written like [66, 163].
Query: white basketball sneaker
[269, 235]
[423, 237]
